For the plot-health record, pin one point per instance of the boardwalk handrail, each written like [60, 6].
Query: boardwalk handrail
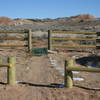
[69, 67]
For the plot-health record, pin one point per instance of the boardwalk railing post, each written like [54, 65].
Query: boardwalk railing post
[49, 40]
[68, 74]
[11, 71]
[30, 40]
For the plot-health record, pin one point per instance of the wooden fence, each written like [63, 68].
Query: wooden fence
[69, 67]
[29, 45]
[11, 71]
[51, 45]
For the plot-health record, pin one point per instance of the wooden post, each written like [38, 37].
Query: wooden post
[30, 40]
[98, 40]
[49, 40]
[0, 60]
[11, 71]
[68, 74]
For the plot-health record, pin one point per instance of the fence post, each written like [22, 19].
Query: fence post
[49, 40]
[30, 40]
[68, 78]
[11, 71]
[98, 40]
[0, 60]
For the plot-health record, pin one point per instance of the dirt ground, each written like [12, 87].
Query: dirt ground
[38, 80]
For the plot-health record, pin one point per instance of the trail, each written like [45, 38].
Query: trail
[35, 75]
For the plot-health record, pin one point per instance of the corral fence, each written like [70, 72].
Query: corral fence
[11, 71]
[65, 36]
[69, 67]
[29, 39]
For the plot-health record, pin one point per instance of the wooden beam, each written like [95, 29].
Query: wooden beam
[83, 69]
[20, 32]
[11, 38]
[13, 45]
[4, 65]
[87, 39]
[69, 46]
[65, 32]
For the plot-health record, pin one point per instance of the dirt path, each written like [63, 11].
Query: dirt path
[35, 75]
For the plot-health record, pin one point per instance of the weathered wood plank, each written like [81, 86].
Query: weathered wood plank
[87, 39]
[13, 45]
[11, 38]
[65, 32]
[69, 46]
[83, 69]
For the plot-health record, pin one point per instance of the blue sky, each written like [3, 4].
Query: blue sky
[48, 8]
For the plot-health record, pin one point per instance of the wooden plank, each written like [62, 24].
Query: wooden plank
[83, 69]
[11, 38]
[12, 32]
[69, 46]
[10, 45]
[74, 39]
[65, 32]
[4, 65]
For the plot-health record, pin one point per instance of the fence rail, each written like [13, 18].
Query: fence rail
[65, 32]
[20, 32]
[29, 40]
[76, 46]
[69, 67]
[11, 38]
[74, 39]
[13, 45]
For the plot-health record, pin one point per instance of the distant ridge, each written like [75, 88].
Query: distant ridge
[84, 17]
[21, 21]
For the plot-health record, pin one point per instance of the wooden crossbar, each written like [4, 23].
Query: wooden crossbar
[13, 45]
[65, 32]
[4, 65]
[20, 32]
[11, 38]
[87, 39]
[83, 69]
[69, 46]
